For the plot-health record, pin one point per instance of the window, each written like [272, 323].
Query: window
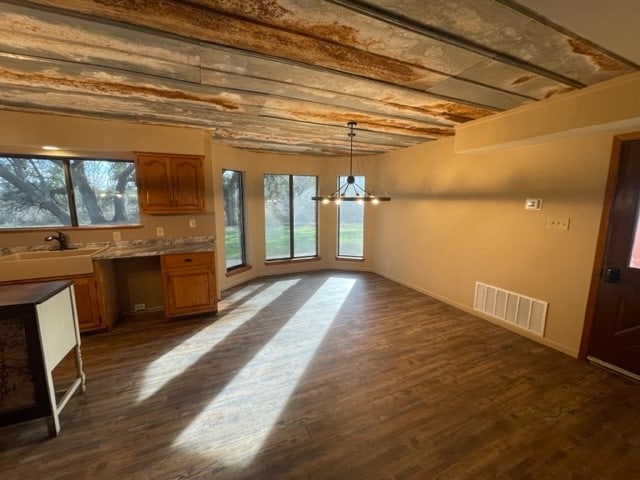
[351, 224]
[232, 191]
[290, 216]
[55, 192]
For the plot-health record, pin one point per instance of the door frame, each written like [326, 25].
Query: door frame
[601, 245]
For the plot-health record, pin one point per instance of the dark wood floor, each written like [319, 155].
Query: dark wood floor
[331, 376]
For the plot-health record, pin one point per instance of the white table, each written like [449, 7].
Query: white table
[38, 328]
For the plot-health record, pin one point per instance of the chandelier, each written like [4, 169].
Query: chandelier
[350, 191]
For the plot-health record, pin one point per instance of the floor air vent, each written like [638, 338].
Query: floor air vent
[524, 312]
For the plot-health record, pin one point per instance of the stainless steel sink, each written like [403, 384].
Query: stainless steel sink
[47, 263]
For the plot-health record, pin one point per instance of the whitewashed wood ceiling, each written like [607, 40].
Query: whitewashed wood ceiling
[287, 75]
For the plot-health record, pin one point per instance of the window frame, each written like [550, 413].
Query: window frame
[70, 193]
[292, 256]
[243, 244]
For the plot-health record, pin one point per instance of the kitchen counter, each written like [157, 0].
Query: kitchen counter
[155, 248]
[105, 274]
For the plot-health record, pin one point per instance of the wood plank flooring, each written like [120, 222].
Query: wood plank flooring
[331, 375]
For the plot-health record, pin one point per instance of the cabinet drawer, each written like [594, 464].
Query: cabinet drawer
[185, 260]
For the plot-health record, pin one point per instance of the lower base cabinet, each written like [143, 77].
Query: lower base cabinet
[86, 295]
[188, 280]
[189, 283]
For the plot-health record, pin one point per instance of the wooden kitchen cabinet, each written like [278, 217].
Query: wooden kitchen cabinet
[87, 305]
[189, 283]
[170, 183]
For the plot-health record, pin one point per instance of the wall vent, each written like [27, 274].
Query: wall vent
[519, 310]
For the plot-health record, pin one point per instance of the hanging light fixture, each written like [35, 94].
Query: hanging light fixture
[350, 191]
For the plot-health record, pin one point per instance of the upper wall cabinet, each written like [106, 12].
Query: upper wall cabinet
[170, 183]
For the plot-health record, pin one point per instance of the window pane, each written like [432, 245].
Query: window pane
[105, 192]
[635, 249]
[233, 218]
[277, 217]
[33, 193]
[351, 224]
[304, 216]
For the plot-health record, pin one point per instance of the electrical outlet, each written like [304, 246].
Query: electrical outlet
[116, 236]
[160, 231]
[558, 223]
[139, 306]
[192, 223]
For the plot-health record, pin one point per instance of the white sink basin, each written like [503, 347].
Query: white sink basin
[47, 263]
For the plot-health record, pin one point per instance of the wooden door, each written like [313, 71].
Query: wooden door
[615, 332]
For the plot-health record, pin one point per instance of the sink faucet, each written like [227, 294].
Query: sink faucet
[60, 238]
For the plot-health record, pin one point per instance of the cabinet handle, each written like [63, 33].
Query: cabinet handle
[187, 260]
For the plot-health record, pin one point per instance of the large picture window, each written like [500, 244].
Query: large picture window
[59, 192]
[234, 244]
[351, 224]
[290, 216]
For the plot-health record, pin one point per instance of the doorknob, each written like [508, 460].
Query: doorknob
[611, 274]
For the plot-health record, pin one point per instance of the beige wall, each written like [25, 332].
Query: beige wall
[460, 218]
[457, 215]
[254, 166]
[608, 106]
[138, 279]
[25, 133]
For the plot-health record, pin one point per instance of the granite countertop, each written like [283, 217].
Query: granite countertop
[134, 248]
[78, 260]
[152, 248]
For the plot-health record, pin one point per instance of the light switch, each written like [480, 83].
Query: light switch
[192, 223]
[533, 204]
[160, 231]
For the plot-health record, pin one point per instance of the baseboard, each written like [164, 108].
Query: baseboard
[146, 311]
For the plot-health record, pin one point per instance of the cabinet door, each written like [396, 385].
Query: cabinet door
[170, 183]
[189, 291]
[189, 283]
[154, 183]
[188, 184]
[87, 303]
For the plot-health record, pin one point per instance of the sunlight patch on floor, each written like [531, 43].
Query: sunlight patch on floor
[176, 361]
[235, 425]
